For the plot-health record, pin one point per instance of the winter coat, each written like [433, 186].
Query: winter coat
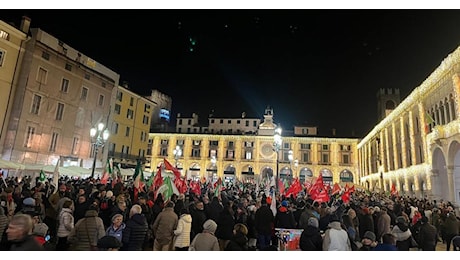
[251, 224]
[366, 223]
[239, 242]
[427, 237]
[3, 223]
[225, 224]
[336, 238]
[134, 233]
[87, 232]
[264, 220]
[311, 240]
[29, 243]
[383, 225]
[182, 232]
[198, 219]
[66, 223]
[284, 218]
[164, 226]
[117, 233]
[451, 226]
[204, 242]
[214, 209]
[402, 235]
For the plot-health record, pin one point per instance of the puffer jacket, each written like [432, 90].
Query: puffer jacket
[239, 242]
[182, 231]
[135, 232]
[66, 223]
[402, 235]
[311, 240]
[87, 232]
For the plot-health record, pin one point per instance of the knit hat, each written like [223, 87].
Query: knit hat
[369, 235]
[210, 226]
[313, 222]
[400, 220]
[40, 229]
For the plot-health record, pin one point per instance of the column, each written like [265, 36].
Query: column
[413, 150]
[382, 152]
[450, 182]
[395, 147]
[433, 178]
[403, 142]
[422, 114]
[387, 150]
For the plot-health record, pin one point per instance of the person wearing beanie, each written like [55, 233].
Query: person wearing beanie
[427, 235]
[402, 234]
[368, 241]
[108, 243]
[311, 239]
[206, 240]
[264, 221]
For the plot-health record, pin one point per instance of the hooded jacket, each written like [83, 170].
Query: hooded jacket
[134, 233]
[182, 232]
[336, 238]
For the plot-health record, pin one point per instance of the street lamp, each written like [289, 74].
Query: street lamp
[276, 147]
[177, 154]
[291, 158]
[101, 136]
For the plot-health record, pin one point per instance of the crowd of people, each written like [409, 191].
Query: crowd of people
[86, 215]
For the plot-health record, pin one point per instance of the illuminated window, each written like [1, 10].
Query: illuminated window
[54, 139]
[36, 102]
[130, 114]
[117, 109]
[75, 145]
[101, 100]
[29, 137]
[4, 35]
[120, 96]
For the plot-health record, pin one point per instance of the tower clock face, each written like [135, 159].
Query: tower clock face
[267, 150]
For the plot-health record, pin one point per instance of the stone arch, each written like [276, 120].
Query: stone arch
[305, 174]
[439, 177]
[346, 176]
[328, 177]
[454, 162]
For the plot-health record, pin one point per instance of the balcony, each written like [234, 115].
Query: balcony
[125, 158]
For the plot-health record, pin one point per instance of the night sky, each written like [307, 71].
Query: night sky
[319, 67]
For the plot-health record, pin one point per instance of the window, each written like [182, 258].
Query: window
[212, 121]
[305, 131]
[247, 122]
[2, 57]
[115, 128]
[237, 122]
[147, 108]
[164, 151]
[143, 136]
[120, 96]
[60, 111]
[248, 155]
[4, 35]
[54, 139]
[213, 143]
[84, 93]
[145, 120]
[344, 147]
[306, 157]
[248, 144]
[305, 146]
[230, 154]
[229, 121]
[164, 142]
[29, 137]
[180, 142]
[101, 100]
[180, 121]
[212, 153]
[287, 145]
[117, 109]
[127, 131]
[221, 121]
[68, 67]
[42, 75]
[103, 84]
[87, 76]
[130, 114]
[45, 55]
[324, 158]
[254, 123]
[196, 142]
[345, 158]
[231, 144]
[195, 152]
[36, 102]
[189, 121]
[75, 145]
[65, 85]
[325, 147]
[131, 101]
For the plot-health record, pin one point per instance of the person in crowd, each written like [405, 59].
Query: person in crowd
[284, 217]
[225, 224]
[121, 207]
[214, 209]
[53, 211]
[206, 240]
[383, 223]
[3, 226]
[198, 218]
[19, 233]
[451, 227]
[366, 221]
[81, 206]
[311, 239]
[388, 243]
[402, 234]
[264, 220]
[163, 228]
[335, 237]
[87, 231]
[182, 232]
[351, 231]
[250, 223]
[65, 225]
[109, 243]
[427, 236]
[368, 241]
[239, 240]
[135, 231]
[117, 227]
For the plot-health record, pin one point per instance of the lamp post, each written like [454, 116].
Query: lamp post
[177, 154]
[277, 141]
[101, 136]
[291, 158]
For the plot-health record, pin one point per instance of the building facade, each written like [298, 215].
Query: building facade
[161, 115]
[12, 41]
[416, 147]
[252, 156]
[130, 122]
[60, 95]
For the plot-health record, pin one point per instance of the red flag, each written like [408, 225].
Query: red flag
[394, 192]
[169, 167]
[281, 186]
[181, 185]
[157, 180]
[322, 196]
[307, 185]
[346, 197]
[318, 183]
[218, 182]
[195, 187]
[294, 188]
[336, 189]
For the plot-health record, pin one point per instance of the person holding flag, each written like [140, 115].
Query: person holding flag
[139, 181]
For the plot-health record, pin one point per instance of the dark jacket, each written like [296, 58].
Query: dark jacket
[214, 209]
[29, 243]
[311, 240]
[134, 233]
[264, 220]
[284, 218]
[225, 223]
[198, 219]
[427, 237]
[238, 242]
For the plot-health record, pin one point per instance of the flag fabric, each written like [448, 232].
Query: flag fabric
[217, 187]
[318, 192]
[138, 180]
[195, 187]
[336, 189]
[294, 189]
[273, 201]
[107, 171]
[181, 185]
[281, 187]
[169, 167]
[167, 189]
[157, 180]
[322, 196]
[346, 197]
[394, 192]
[56, 174]
[428, 121]
[116, 174]
[42, 176]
